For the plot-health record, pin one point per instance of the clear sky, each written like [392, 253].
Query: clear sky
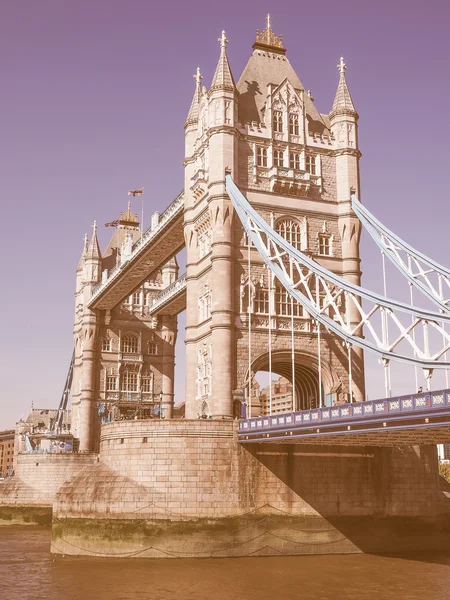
[94, 95]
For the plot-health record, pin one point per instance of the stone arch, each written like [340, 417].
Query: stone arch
[306, 374]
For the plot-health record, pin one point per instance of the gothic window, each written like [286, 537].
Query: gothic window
[129, 381]
[261, 156]
[106, 344]
[284, 305]
[204, 307]
[204, 244]
[311, 164]
[278, 158]
[277, 121]
[293, 123]
[111, 383]
[294, 160]
[153, 348]
[146, 382]
[148, 299]
[325, 245]
[262, 301]
[130, 343]
[204, 372]
[137, 297]
[291, 232]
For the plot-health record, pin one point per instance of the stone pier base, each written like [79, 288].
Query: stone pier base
[188, 489]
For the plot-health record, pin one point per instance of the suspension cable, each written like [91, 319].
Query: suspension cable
[249, 399]
[441, 294]
[318, 344]
[269, 275]
[292, 340]
[350, 376]
[416, 376]
[387, 366]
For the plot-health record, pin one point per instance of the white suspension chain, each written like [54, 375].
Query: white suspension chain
[292, 343]
[269, 275]
[249, 400]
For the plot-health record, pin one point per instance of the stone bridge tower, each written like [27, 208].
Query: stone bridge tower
[298, 168]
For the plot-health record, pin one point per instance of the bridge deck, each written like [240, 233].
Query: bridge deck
[154, 249]
[406, 420]
[171, 300]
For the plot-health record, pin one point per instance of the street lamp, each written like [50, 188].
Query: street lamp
[160, 403]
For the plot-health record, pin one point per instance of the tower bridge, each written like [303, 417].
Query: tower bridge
[271, 222]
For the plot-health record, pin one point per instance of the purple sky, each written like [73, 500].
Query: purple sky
[94, 98]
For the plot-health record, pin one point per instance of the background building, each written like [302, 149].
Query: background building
[6, 452]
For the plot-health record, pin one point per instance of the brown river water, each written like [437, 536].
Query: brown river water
[27, 572]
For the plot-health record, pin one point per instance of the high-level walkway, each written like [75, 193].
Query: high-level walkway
[405, 420]
[171, 300]
[153, 249]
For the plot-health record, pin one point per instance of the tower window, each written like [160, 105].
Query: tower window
[311, 164]
[129, 381]
[111, 383]
[277, 121]
[291, 231]
[285, 305]
[146, 383]
[106, 344]
[324, 245]
[153, 348]
[137, 297]
[293, 124]
[294, 160]
[261, 156]
[130, 343]
[262, 301]
[278, 158]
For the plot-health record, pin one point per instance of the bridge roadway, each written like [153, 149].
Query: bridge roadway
[153, 249]
[405, 420]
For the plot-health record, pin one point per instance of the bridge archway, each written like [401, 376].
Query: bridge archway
[306, 375]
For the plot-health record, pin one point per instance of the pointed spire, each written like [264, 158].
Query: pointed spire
[223, 78]
[343, 103]
[94, 248]
[84, 253]
[193, 111]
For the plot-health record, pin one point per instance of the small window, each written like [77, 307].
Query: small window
[144, 440]
[278, 158]
[111, 383]
[293, 124]
[106, 344]
[261, 156]
[291, 231]
[137, 297]
[311, 164]
[262, 301]
[129, 381]
[278, 121]
[122, 440]
[153, 348]
[324, 245]
[294, 160]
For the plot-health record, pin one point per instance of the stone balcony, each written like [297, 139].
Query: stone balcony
[289, 181]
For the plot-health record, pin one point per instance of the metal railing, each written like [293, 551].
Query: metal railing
[354, 411]
[171, 290]
[173, 210]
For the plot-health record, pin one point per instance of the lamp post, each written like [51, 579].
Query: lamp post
[160, 404]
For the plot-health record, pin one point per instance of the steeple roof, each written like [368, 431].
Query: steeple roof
[267, 40]
[94, 249]
[343, 103]
[84, 253]
[193, 111]
[129, 218]
[223, 78]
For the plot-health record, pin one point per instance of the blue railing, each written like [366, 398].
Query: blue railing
[355, 411]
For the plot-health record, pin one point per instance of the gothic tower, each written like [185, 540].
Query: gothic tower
[298, 168]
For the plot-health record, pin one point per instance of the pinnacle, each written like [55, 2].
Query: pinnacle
[193, 111]
[223, 78]
[343, 103]
[94, 248]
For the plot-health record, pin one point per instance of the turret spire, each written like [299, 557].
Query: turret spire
[84, 253]
[343, 103]
[193, 111]
[94, 248]
[223, 78]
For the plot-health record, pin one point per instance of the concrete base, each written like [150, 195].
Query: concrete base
[188, 489]
[25, 515]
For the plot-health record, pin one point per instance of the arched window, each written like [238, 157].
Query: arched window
[277, 121]
[311, 164]
[284, 305]
[147, 382]
[137, 297]
[291, 232]
[129, 380]
[106, 344]
[130, 343]
[262, 301]
[278, 158]
[153, 348]
[294, 160]
[293, 123]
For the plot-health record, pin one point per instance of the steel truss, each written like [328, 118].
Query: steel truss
[431, 278]
[344, 308]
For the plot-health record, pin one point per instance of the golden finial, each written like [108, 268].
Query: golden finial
[268, 38]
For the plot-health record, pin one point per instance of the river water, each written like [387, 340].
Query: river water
[27, 572]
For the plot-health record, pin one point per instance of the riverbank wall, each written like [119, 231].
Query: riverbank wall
[188, 489]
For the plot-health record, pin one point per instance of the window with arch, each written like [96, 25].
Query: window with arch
[153, 348]
[311, 164]
[262, 301]
[324, 245]
[129, 380]
[147, 382]
[291, 231]
[294, 160]
[278, 158]
[137, 297]
[130, 343]
[261, 156]
[284, 305]
[278, 121]
[293, 123]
